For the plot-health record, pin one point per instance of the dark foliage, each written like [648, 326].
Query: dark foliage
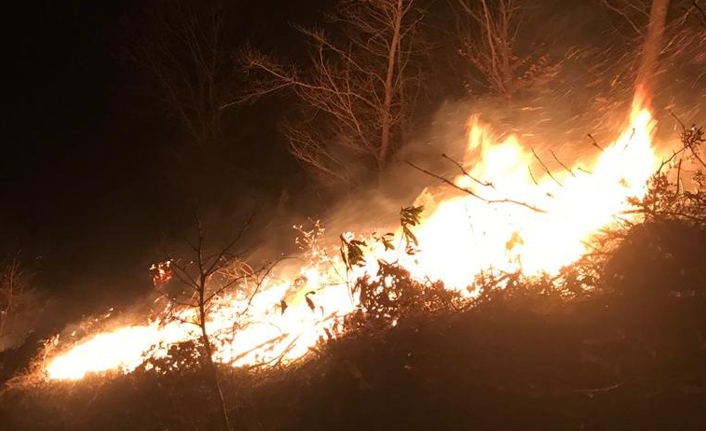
[616, 341]
[393, 295]
[627, 354]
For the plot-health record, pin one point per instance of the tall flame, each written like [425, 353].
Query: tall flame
[540, 224]
[523, 217]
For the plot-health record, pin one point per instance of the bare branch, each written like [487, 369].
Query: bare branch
[546, 169]
[487, 32]
[627, 9]
[595, 143]
[351, 94]
[217, 260]
[472, 193]
[701, 13]
[181, 45]
[561, 164]
[467, 174]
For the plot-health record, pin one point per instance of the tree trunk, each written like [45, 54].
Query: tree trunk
[386, 132]
[7, 315]
[652, 47]
[210, 365]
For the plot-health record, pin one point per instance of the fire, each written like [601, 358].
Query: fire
[540, 224]
[523, 217]
[121, 349]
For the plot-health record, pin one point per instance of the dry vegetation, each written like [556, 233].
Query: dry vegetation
[356, 93]
[19, 303]
[615, 340]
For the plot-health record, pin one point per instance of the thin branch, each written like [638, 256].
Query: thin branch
[261, 282]
[683, 126]
[224, 251]
[176, 301]
[688, 145]
[595, 143]
[534, 180]
[700, 10]
[546, 169]
[470, 192]
[467, 174]
[624, 14]
[561, 164]
[678, 182]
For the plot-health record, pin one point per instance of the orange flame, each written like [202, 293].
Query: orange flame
[540, 222]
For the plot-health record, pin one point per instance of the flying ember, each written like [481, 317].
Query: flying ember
[507, 211]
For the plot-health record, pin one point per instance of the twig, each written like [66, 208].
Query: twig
[529, 169]
[546, 169]
[683, 126]
[472, 193]
[595, 143]
[277, 339]
[561, 164]
[688, 145]
[669, 160]
[624, 15]
[678, 185]
[214, 265]
[632, 135]
[701, 11]
[462, 169]
[261, 282]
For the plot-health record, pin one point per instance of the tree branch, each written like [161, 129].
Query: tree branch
[472, 193]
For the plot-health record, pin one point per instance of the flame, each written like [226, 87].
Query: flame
[523, 217]
[539, 225]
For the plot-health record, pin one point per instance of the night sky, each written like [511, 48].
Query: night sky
[86, 153]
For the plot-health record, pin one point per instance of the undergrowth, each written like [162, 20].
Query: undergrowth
[615, 341]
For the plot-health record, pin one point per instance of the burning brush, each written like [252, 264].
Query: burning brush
[507, 210]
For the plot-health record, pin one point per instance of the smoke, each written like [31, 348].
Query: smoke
[594, 54]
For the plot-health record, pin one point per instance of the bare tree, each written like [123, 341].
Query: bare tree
[699, 10]
[487, 31]
[634, 12]
[356, 94]
[182, 45]
[19, 304]
[195, 283]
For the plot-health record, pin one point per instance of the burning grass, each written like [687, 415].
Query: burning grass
[507, 212]
[624, 349]
[586, 289]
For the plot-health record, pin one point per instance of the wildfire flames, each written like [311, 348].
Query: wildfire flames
[524, 216]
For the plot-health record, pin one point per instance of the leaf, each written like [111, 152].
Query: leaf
[345, 259]
[410, 235]
[388, 245]
[309, 302]
[352, 252]
[409, 217]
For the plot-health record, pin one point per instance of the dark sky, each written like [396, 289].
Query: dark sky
[83, 194]
[70, 175]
